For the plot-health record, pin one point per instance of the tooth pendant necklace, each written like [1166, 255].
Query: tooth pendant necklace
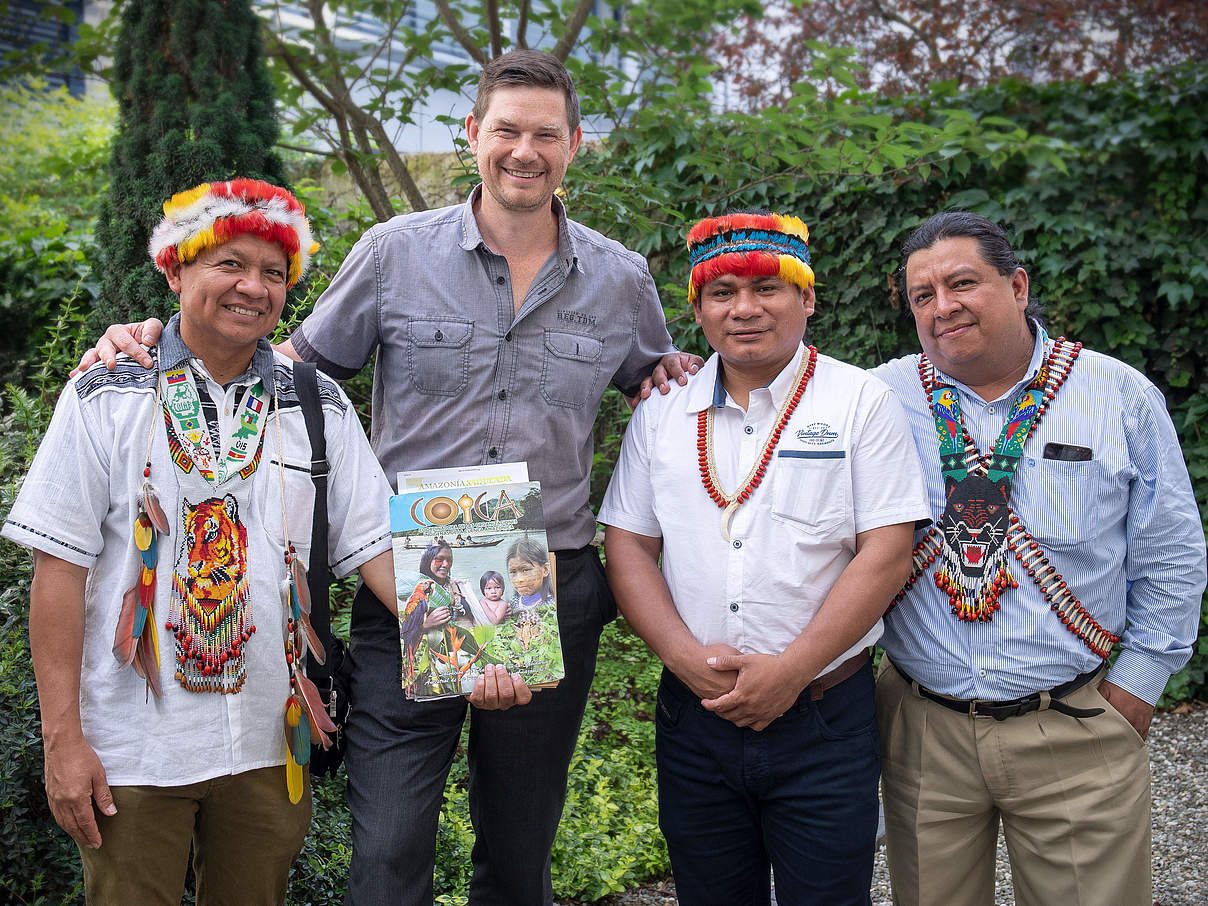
[729, 503]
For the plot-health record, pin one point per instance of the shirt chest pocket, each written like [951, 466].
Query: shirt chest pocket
[1065, 509]
[571, 369]
[438, 355]
[296, 509]
[811, 490]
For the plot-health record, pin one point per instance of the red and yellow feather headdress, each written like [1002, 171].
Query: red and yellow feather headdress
[749, 245]
[213, 213]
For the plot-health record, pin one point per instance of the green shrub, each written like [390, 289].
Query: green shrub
[51, 176]
[39, 864]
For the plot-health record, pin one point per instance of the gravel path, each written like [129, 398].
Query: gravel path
[1178, 751]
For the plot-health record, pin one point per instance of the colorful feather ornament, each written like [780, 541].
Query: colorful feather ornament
[300, 640]
[313, 644]
[149, 501]
[297, 572]
[312, 704]
[146, 660]
[136, 640]
[297, 748]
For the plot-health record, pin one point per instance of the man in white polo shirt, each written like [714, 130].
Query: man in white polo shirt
[781, 488]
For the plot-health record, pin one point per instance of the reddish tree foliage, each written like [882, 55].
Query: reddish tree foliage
[906, 45]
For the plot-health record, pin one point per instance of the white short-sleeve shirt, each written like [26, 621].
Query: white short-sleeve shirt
[78, 504]
[845, 463]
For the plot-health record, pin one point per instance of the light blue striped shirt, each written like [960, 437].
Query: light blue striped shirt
[1123, 529]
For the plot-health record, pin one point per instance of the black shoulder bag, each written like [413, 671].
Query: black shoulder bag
[334, 678]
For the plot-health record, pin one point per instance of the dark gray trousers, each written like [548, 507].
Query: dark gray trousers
[399, 754]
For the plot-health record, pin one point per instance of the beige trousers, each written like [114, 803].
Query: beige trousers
[1073, 796]
[244, 831]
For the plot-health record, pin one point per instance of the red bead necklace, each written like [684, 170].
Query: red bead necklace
[704, 447]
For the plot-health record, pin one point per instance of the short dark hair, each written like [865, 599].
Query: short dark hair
[488, 576]
[992, 242]
[534, 68]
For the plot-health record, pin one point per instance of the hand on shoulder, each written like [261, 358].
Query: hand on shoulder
[127, 338]
[675, 366]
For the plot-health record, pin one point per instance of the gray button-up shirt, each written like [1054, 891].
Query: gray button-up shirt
[462, 380]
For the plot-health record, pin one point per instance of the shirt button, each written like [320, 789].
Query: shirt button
[981, 672]
[737, 544]
[439, 336]
[733, 607]
[493, 452]
[500, 280]
[749, 430]
[990, 409]
[503, 394]
[508, 336]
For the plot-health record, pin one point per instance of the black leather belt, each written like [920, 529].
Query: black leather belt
[1026, 704]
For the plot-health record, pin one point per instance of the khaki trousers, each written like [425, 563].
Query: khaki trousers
[1073, 796]
[244, 831]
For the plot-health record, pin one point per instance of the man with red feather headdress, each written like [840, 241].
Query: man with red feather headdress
[781, 488]
[170, 513]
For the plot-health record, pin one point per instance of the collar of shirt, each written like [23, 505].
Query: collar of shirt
[471, 235]
[706, 388]
[173, 353]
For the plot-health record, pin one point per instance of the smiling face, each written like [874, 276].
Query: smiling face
[231, 295]
[522, 145]
[969, 317]
[754, 323]
[441, 564]
[527, 577]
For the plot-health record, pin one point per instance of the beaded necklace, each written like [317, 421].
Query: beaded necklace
[729, 503]
[978, 601]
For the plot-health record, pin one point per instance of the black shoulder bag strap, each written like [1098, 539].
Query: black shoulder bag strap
[306, 382]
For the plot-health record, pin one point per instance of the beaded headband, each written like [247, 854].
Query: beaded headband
[749, 245]
[213, 213]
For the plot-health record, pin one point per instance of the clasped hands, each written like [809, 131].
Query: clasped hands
[749, 690]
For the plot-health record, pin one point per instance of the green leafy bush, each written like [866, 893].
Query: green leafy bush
[39, 864]
[51, 176]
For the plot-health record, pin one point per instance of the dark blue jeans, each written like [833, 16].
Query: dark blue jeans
[399, 754]
[800, 796]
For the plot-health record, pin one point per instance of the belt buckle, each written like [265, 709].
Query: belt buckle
[1025, 705]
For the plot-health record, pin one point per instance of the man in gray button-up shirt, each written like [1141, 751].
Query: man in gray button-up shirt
[466, 375]
[498, 325]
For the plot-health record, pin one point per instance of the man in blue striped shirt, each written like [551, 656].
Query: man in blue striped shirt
[1065, 524]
